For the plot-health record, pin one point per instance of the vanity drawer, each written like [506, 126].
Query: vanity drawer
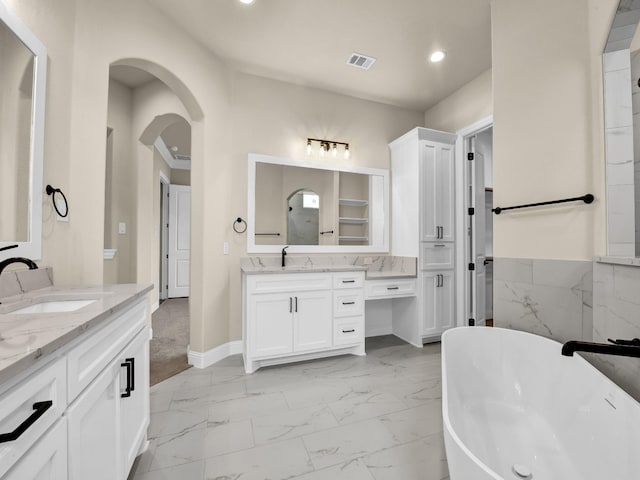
[389, 288]
[89, 358]
[348, 330]
[288, 282]
[437, 256]
[348, 303]
[29, 399]
[348, 280]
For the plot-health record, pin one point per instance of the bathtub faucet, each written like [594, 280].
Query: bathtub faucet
[624, 348]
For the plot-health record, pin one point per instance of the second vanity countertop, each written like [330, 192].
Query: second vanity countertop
[26, 337]
[380, 267]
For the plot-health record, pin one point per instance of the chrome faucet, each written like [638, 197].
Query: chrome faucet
[624, 348]
[284, 254]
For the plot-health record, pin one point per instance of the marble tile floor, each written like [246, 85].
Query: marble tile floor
[344, 418]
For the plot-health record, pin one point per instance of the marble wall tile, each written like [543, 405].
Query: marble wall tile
[617, 60]
[619, 148]
[616, 314]
[618, 107]
[551, 298]
[9, 285]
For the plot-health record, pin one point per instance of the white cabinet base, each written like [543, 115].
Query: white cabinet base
[251, 366]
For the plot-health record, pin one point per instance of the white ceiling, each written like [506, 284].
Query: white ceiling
[308, 42]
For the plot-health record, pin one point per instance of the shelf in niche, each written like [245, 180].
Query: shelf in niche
[353, 202]
[352, 238]
[353, 220]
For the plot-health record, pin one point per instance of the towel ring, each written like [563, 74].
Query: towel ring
[241, 222]
[53, 191]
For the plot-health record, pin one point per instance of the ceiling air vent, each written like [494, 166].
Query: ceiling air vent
[361, 61]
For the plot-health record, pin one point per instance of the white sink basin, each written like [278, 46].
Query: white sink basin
[54, 306]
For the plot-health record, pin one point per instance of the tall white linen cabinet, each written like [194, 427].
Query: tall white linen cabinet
[423, 226]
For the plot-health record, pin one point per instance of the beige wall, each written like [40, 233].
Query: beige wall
[180, 177]
[467, 105]
[548, 135]
[120, 200]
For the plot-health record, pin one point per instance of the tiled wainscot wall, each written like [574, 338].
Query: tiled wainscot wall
[616, 314]
[552, 298]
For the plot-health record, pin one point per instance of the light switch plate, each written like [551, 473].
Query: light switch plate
[122, 228]
[225, 248]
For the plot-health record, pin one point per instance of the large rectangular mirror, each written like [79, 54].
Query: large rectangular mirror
[316, 207]
[23, 60]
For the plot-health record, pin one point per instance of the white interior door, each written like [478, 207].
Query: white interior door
[179, 240]
[476, 252]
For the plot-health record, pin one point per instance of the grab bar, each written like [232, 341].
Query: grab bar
[588, 198]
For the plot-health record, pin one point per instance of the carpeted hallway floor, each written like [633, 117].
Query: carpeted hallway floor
[168, 347]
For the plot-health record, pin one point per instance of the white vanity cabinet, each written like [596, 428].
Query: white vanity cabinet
[97, 423]
[298, 316]
[423, 212]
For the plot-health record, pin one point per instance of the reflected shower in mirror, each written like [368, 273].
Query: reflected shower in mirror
[303, 218]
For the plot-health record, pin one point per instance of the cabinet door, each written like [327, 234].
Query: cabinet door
[446, 307]
[445, 195]
[271, 324]
[430, 303]
[438, 288]
[134, 406]
[93, 429]
[313, 320]
[46, 460]
[429, 193]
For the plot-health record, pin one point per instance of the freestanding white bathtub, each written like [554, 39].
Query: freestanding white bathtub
[514, 407]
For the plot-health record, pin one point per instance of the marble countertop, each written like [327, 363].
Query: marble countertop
[26, 337]
[375, 267]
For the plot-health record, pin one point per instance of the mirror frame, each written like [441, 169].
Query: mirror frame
[254, 158]
[32, 248]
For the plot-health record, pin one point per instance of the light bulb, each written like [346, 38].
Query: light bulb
[247, 2]
[308, 147]
[322, 149]
[346, 152]
[335, 150]
[437, 56]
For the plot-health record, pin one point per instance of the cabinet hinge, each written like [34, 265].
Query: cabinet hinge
[472, 322]
[472, 267]
[470, 156]
[472, 211]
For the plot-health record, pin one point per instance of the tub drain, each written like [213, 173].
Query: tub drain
[522, 471]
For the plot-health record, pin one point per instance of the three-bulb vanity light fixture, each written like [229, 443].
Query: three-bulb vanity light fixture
[326, 146]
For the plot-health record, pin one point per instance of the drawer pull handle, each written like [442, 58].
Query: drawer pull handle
[439, 245]
[348, 281]
[349, 331]
[39, 409]
[393, 288]
[129, 364]
[348, 303]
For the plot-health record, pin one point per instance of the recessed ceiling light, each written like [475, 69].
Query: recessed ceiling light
[437, 56]
[247, 2]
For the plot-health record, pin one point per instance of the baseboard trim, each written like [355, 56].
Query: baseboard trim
[155, 306]
[208, 358]
[378, 332]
